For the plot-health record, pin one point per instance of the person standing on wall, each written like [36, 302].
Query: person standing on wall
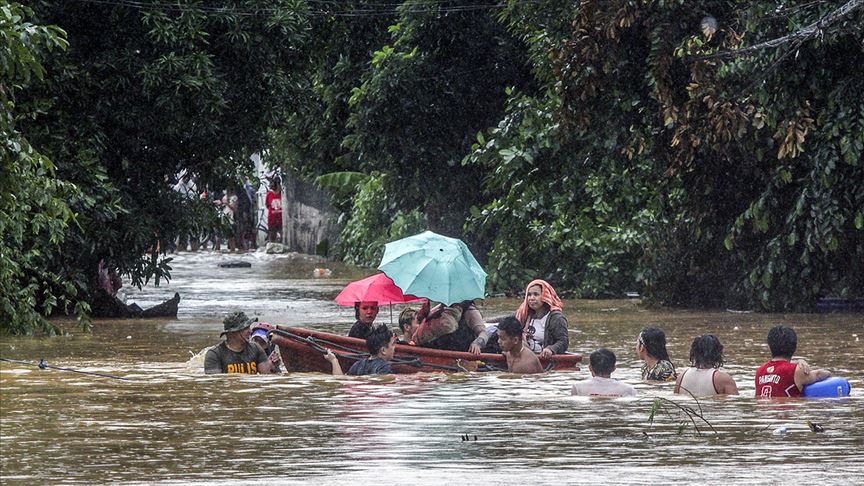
[274, 211]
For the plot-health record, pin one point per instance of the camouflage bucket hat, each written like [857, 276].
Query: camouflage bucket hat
[237, 322]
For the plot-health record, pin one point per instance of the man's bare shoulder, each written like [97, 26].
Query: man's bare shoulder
[526, 362]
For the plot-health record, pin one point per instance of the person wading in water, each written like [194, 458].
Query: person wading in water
[236, 354]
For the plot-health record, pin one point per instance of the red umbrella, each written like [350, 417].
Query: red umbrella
[377, 288]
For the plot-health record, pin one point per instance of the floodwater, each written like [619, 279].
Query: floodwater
[167, 422]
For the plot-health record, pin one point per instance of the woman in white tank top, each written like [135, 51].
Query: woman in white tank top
[703, 378]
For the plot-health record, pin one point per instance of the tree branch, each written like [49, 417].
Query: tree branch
[799, 35]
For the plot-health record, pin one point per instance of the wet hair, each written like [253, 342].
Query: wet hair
[783, 341]
[706, 352]
[378, 339]
[510, 326]
[405, 317]
[654, 340]
[602, 362]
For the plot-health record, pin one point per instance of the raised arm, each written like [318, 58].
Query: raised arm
[334, 362]
[263, 362]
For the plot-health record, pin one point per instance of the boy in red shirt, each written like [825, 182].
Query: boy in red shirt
[274, 210]
[780, 377]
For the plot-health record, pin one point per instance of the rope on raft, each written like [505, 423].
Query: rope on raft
[352, 353]
[42, 364]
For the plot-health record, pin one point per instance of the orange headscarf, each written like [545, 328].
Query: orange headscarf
[547, 295]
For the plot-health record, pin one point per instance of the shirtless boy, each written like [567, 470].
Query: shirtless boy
[520, 359]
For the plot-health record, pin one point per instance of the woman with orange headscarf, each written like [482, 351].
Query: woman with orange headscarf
[544, 322]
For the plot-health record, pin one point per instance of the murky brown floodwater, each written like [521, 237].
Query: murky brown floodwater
[170, 423]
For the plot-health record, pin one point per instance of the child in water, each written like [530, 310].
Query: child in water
[520, 359]
[381, 344]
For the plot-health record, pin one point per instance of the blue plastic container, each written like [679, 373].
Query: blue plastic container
[831, 388]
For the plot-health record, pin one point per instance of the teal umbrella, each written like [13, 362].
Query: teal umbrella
[434, 266]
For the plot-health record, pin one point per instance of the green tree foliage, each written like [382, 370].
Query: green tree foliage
[565, 203]
[34, 216]
[414, 114]
[400, 90]
[704, 152]
[346, 35]
[784, 119]
[560, 209]
[739, 170]
[145, 91]
[362, 240]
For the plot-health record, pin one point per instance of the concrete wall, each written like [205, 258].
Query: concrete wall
[308, 218]
[307, 215]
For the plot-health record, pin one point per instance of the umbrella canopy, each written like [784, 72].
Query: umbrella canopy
[434, 266]
[378, 288]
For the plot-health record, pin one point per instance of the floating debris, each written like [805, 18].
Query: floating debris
[235, 264]
[322, 272]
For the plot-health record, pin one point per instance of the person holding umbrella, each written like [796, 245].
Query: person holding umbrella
[442, 269]
[457, 327]
[366, 295]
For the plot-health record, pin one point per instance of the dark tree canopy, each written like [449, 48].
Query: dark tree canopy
[703, 153]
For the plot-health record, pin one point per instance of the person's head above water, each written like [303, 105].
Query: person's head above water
[652, 342]
[237, 322]
[366, 312]
[406, 320]
[381, 342]
[540, 298]
[259, 335]
[782, 341]
[602, 363]
[509, 334]
[706, 352]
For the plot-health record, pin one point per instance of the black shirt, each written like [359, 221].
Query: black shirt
[359, 330]
[370, 366]
[221, 359]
